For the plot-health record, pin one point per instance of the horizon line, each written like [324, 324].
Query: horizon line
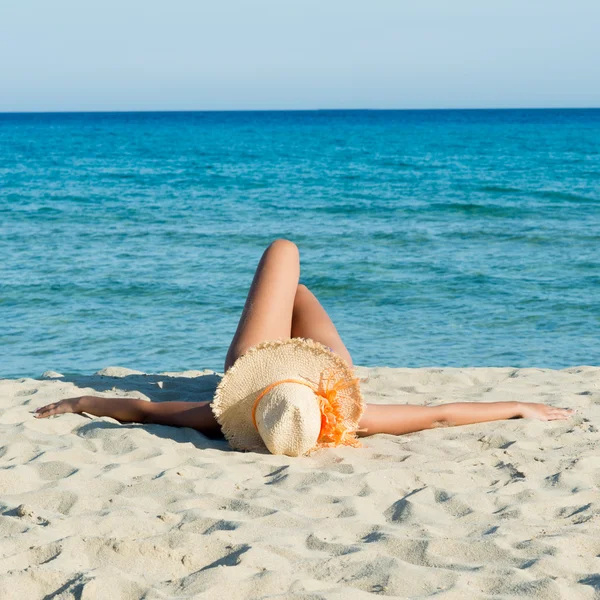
[265, 110]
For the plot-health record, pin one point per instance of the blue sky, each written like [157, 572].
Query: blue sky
[289, 54]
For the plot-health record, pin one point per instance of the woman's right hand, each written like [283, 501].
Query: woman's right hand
[68, 405]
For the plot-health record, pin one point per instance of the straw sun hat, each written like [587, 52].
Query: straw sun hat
[290, 396]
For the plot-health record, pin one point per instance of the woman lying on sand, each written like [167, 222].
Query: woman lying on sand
[288, 381]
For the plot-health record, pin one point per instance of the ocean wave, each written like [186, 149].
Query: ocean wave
[499, 189]
[483, 210]
[568, 196]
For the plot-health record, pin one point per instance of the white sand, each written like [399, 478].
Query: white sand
[93, 509]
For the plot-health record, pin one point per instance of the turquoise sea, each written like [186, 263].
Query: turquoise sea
[433, 238]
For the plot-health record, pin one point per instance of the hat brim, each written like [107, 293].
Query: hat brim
[267, 363]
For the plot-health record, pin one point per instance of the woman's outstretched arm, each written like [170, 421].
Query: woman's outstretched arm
[197, 415]
[378, 418]
[401, 418]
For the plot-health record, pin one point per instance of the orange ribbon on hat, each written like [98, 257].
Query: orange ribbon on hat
[333, 432]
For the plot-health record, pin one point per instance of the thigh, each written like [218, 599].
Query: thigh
[310, 320]
[267, 314]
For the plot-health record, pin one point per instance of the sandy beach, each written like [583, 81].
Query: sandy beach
[93, 509]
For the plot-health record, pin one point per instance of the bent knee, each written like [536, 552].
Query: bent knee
[283, 245]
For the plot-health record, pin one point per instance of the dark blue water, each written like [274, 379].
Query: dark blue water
[452, 238]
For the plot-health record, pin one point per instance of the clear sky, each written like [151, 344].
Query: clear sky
[60, 55]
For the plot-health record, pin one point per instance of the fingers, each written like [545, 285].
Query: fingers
[555, 414]
[66, 405]
[46, 411]
[56, 408]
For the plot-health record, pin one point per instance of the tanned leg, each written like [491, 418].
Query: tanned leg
[267, 314]
[310, 320]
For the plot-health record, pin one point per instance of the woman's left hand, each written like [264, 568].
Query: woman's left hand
[543, 412]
